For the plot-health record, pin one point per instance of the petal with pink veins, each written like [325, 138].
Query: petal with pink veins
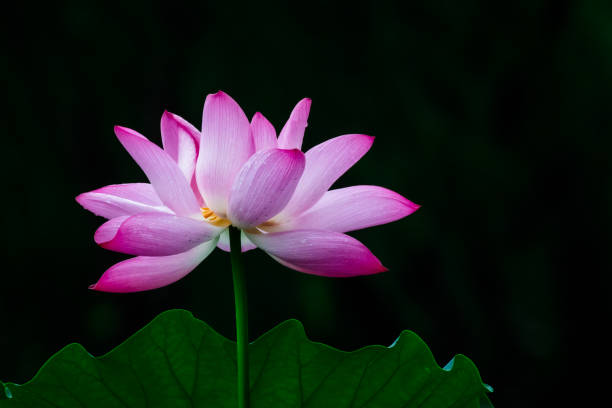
[353, 208]
[264, 185]
[152, 272]
[196, 192]
[325, 163]
[264, 134]
[154, 234]
[292, 134]
[163, 172]
[180, 140]
[224, 242]
[318, 252]
[225, 145]
[122, 199]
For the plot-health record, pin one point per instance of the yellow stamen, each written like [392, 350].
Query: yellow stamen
[214, 219]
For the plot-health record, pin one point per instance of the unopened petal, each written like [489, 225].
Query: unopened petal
[154, 234]
[292, 134]
[264, 186]
[152, 272]
[264, 134]
[116, 200]
[180, 140]
[325, 163]
[353, 208]
[225, 145]
[319, 252]
[163, 172]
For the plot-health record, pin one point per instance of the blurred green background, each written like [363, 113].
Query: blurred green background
[494, 117]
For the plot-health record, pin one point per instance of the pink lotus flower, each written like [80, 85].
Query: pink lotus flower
[238, 173]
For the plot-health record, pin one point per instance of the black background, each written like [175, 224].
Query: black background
[494, 117]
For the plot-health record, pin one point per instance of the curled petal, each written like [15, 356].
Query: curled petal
[353, 208]
[292, 134]
[163, 172]
[152, 272]
[325, 163]
[225, 145]
[117, 200]
[264, 185]
[108, 230]
[264, 134]
[180, 140]
[319, 252]
[154, 234]
[224, 242]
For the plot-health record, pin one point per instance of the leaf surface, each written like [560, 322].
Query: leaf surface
[179, 361]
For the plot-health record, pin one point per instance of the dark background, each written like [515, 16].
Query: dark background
[495, 117]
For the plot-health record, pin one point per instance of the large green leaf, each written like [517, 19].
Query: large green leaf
[179, 361]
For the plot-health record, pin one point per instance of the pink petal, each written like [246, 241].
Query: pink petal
[325, 163]
[293, 132]
[154, 234]
[108, 230]
[264, 134]
[122, 199]
[319, 252]
[180, 140]
[196, 192]
[224, 242]
[152, 272]
[354, 208]
[264, 185]
[163, 172]
[226, 144]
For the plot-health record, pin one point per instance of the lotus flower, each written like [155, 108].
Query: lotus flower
[238, 173]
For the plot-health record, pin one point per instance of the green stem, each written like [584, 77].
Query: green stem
[242, 320]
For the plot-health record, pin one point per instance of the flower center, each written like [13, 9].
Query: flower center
[210, 216]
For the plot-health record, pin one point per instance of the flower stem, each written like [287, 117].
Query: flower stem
[242, 323]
